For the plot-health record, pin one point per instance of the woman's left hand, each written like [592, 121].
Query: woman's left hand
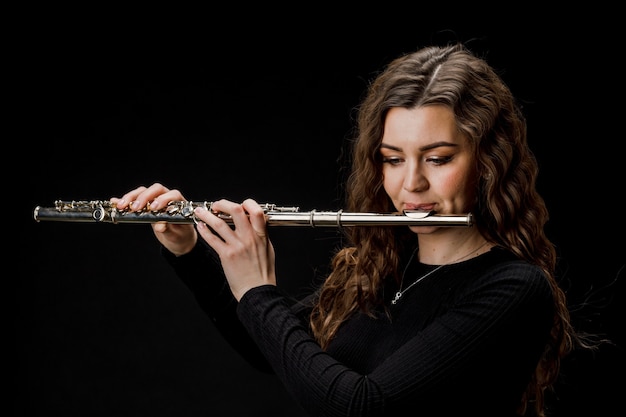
[246, 253]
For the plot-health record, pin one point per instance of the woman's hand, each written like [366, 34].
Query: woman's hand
[246, 253]
[177, 238]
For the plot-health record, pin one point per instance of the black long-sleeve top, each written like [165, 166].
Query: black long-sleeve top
[463, 341]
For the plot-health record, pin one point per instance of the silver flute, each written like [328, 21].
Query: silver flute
[183, 212]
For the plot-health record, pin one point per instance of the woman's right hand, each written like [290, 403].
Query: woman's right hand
[177, 238]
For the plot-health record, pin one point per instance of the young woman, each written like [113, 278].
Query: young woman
[428, 319]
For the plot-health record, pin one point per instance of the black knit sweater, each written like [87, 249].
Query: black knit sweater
[464, 341]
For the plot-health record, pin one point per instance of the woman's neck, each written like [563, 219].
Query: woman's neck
[451, 246]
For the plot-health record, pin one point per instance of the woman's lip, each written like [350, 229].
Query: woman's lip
[424, 207]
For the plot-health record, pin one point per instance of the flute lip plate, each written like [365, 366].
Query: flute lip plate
[418, 214]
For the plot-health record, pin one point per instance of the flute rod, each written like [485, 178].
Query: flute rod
[312, 218]
[182, 212]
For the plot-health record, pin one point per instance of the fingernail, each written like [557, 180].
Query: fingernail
[154, 205]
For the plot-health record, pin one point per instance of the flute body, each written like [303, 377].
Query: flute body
[183, 212]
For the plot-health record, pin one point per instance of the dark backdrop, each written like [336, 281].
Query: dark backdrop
[219, 108]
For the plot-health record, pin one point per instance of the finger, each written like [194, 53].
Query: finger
[211, 219]
[162, 200]
[147, 196]
[210, 236]
[256, 216]
[247, 218]
[236, 212]
[127, 198]
[160, 227]
[152, 198]
[211, 228]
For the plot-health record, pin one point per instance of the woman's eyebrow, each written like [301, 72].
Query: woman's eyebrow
[423, 148]
[439, 144]
[393, 148]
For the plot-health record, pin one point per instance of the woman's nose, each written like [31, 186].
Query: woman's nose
[414, 179]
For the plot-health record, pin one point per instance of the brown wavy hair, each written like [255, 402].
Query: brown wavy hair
[508, 209]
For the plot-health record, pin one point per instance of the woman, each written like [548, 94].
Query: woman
[450, 320]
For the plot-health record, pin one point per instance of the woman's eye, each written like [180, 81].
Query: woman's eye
[435, 160]
[439, 160]
[392, 160]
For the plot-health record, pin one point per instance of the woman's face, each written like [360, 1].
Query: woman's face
[427, 162]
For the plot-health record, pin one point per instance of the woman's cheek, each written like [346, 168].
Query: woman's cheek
[458, 187]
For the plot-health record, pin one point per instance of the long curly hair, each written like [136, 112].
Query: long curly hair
[508, 210]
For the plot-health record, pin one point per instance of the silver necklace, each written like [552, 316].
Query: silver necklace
[401, 291]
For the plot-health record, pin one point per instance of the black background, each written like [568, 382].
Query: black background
[220, 106]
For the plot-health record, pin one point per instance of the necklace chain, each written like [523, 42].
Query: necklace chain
[401, 291]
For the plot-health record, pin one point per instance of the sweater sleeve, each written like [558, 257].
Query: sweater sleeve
[200, 270]
[321, 384]
[458, 352]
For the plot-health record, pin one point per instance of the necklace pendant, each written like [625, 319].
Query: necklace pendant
[396, 298]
